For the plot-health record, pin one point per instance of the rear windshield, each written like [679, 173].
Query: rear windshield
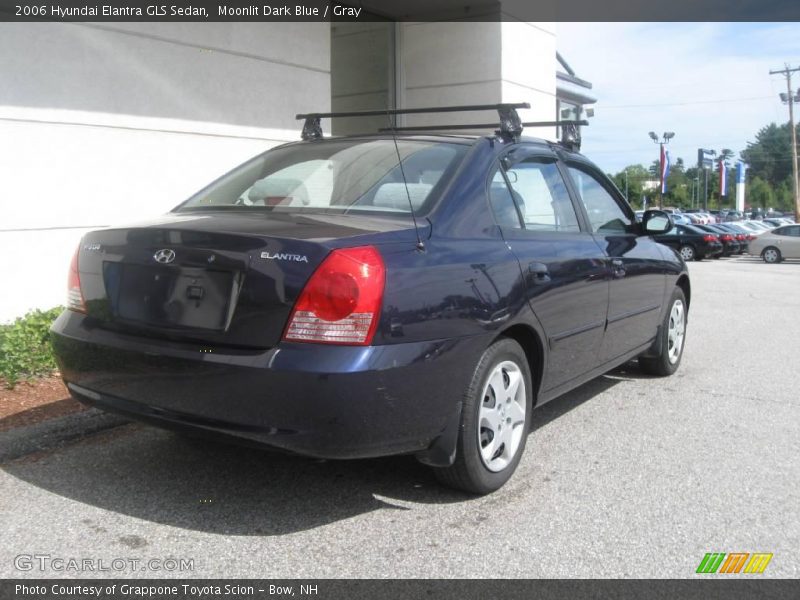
[336, 176]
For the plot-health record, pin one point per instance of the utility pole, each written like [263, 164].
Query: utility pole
[790, 99]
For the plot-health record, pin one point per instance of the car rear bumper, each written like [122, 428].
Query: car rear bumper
[317, 400]
[710, 250]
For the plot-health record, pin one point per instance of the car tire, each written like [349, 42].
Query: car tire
[487, 456]
[688, 253]
[771, 255]
[672, 339]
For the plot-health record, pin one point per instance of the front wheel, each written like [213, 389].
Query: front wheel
[673, 336]
[771, 255]
[687, 253]
[494, 421]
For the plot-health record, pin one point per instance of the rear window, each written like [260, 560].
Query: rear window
[336, 176]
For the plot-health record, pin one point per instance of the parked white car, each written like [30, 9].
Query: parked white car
[755, 226]
[773, 246]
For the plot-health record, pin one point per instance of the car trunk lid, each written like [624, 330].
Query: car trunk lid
[216, 280]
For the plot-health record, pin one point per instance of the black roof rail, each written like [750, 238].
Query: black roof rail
[510, 123]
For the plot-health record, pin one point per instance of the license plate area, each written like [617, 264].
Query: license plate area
[187, 297]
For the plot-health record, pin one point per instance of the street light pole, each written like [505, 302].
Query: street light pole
[668, 135]
[626, 186]
[790, 99]
[703, 163]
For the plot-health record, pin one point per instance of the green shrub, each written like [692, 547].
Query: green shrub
[25, 349]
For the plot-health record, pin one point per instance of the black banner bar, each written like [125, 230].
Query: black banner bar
[396, 10]
[713, 587]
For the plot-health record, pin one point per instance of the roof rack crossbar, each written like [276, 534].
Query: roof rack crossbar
[482, 126]
[510, 122]
[415, 111]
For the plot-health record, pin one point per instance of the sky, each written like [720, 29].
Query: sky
[707, 82]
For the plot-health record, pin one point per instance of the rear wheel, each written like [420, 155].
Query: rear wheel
[673, 335]
[771, 255]
[494, 421]
[688, 253]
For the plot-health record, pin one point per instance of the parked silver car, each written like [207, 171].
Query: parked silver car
[782, 242]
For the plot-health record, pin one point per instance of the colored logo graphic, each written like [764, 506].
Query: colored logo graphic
[735, 562]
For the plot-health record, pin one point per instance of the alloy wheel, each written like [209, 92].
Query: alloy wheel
[502, 416]
[676, 331]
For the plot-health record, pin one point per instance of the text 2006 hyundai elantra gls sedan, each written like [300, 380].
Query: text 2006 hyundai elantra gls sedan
[372, 295]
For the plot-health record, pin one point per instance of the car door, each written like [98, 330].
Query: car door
[680, 235]
[563, 267]
[637, 276]
[672, 238]
[788, 241]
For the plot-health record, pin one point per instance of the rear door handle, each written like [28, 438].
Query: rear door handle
[540, 273]
[617, 268]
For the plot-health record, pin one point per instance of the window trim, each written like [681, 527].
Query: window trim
[546, 155]
[606, 184]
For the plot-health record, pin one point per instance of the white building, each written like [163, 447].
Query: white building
[108, 123]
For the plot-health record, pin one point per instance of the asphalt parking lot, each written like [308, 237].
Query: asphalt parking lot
[628, 476]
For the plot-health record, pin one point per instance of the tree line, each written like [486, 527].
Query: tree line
[769, 177]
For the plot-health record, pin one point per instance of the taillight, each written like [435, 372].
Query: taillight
[74, 295]
[751, 236]
[341, 302]
[727, 237]
[709, 238]
[741, 237]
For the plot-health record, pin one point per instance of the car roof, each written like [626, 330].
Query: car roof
[452, 138]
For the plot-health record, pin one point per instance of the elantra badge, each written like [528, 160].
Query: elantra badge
[282, 256]
[164, 256]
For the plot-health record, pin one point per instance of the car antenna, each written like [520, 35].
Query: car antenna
[392, 126]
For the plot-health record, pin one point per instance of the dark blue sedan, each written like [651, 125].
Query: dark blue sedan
[396, 293]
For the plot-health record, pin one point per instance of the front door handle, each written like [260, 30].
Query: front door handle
[540, 273]
[617, 268]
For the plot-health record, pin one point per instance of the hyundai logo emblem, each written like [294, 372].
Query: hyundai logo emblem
[164, 256]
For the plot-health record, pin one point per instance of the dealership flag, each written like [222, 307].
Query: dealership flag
[723, 178]
[741, 168]
[664, 169]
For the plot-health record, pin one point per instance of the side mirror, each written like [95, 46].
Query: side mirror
[656, 222]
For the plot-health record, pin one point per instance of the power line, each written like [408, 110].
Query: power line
[650, 105]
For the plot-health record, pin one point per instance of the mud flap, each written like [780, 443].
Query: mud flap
[655, 349]
[442, 452]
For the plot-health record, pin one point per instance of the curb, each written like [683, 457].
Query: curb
[54, 433]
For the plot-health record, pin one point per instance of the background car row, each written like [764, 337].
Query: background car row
[698, 235]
